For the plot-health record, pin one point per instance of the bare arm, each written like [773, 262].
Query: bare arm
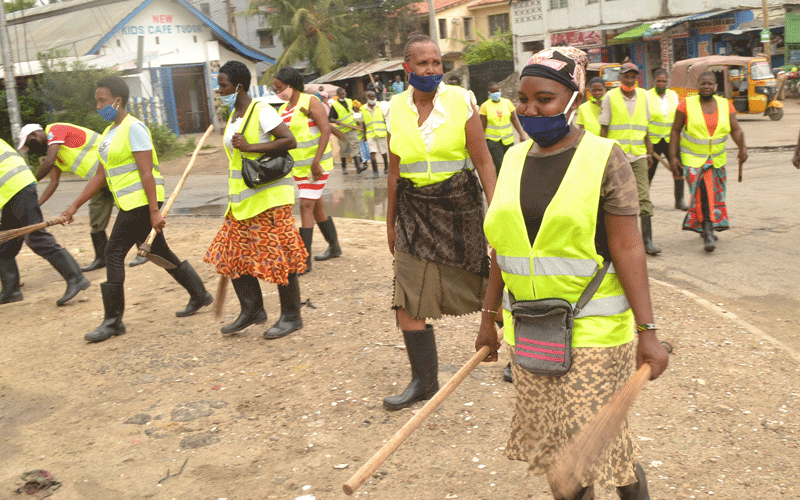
[283, 141]
[675, 141]
[92, 187]
[487, 334]
[737, 134]
[627, 253]
[603, 130]
[484, 121]
[517, 125]
[321, 119]
[55, 175]
[391, 204]
[49, 162]
[476, 145]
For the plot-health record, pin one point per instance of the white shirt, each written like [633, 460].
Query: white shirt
[268, 118]
[438, 116]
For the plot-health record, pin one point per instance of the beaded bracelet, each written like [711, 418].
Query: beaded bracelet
[646, 326]
[488, 311]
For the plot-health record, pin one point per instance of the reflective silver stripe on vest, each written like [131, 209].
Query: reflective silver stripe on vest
[82, 155]
[309, 161]
[307, 144]
[640, 128]
[120, 170]
[661, 124]
[5, 156]
[704, 142]
[503, 137]
[631, 142]
[136, 187]
[550, 266]
[437, 167]
[687, 151]
[14, 171]
[605, 306]
[248, 193]
[498, 127]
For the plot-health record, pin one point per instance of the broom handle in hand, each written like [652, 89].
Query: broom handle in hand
[10, 234]
[174, 195]
[371, 465]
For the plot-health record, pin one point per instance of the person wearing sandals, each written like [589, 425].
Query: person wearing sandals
[258, 239]
[435, 210]
[565, 204]
[305, 116]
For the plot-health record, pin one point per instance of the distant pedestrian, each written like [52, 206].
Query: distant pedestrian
[701, 128]
[499, 120]
[398, 87]
[342, 116]
[662, 102]
[375, 129]
[589, 112]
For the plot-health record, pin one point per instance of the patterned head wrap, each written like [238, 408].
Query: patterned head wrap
[566, 65]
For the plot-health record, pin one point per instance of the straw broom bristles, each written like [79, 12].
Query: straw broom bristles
[10, 234]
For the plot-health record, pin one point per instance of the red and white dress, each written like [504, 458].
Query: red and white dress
[309, 189]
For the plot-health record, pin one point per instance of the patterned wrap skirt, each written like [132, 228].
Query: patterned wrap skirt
[706, 189]
[549, 411]
[267, 246]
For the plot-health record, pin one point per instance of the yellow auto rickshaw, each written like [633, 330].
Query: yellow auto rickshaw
[746, 81]
[609, 72]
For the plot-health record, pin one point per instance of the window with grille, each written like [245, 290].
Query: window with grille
[265, 38]
[559, 4]
[499, 22]
[442, 28]
[468, 35]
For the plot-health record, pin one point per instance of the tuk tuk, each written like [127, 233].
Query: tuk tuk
[609, 72]
[746, 81]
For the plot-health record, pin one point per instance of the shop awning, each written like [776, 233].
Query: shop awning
[658, 27]
[630, 35]
[599, 27]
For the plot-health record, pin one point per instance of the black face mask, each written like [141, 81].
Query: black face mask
[37, 148]
[706, 99]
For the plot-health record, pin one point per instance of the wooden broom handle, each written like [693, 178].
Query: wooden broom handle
[371, 465]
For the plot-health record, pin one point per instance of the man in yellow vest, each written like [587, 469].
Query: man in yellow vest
[71, 148]
[19, 209]
[662, 102]
[498, 116]
[341, 115]
[589, 112]
[375, 131]
[625, 117]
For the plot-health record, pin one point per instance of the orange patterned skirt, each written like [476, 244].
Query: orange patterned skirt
[267, 246]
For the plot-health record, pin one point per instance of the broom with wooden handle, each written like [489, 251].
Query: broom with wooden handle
[10, 234]
[371, 465]
[219, 300]
[572, 462]
[144, 248]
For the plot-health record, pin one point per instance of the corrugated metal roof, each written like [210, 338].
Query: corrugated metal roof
[658, 27]
[361, 69]
[486, 3]
[422, 7]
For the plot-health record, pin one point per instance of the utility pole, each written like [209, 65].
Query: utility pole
[433, 28]
[10, 81]
[230, 9]
[765, 33]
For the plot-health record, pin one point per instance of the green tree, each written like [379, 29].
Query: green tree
[308, 30]
[31, 109]
[15, 5]
[497, 48]
[379, 28]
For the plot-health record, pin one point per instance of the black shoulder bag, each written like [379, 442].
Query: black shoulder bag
[265, 169]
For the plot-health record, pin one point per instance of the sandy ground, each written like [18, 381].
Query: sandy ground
[295, 417]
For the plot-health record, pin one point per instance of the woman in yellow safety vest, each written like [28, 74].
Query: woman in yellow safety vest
[130, 169]
[435, 209]
[258, 239]
[697, 148]
[565, 204]
[589, 112]
[499, 121]
[313, 159]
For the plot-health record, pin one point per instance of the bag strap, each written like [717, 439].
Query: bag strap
[591, 288]
[247, 120]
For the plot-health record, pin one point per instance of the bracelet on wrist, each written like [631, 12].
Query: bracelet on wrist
[645, 326]
[483, 310]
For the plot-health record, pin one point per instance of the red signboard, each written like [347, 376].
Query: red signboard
[579, 39]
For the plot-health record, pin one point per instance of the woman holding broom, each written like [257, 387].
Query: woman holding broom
[566, 205]
[258, 239]
[130, 168]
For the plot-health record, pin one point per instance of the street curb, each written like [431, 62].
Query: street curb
[729, 315]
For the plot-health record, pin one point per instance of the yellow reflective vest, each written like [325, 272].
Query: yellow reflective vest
[563, 258]
[122, 176]
[374, 122]
[498, 121]
[245, 202]
[448, 154]
[344, 114]
[307, 140]
[660, 126]
[14, 173]
[589, 114]
[628, 130]
[81, 161]
[697, 145]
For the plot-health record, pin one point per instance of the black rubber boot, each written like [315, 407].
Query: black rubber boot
[421, 350]
[307, 234]
[99, 241]
[187, 277]
[114, 305]
[385, 163]
[647, 236]
[344, 164]
[586, 493]
[508, 376]
[328, 230]
[248, 292]
[290, 319]
[359, 167]
[708, 236]
[9, 276]
[374, 162]
[637, 490]
[65, 264]
[679, 203]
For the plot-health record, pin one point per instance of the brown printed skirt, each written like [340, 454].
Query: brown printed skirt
[267, 246]
[549, 411]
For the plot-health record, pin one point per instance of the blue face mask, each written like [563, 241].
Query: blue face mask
[495, 96]
[230, 99]
[108, 112]
[547, 130]
[424, 83]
